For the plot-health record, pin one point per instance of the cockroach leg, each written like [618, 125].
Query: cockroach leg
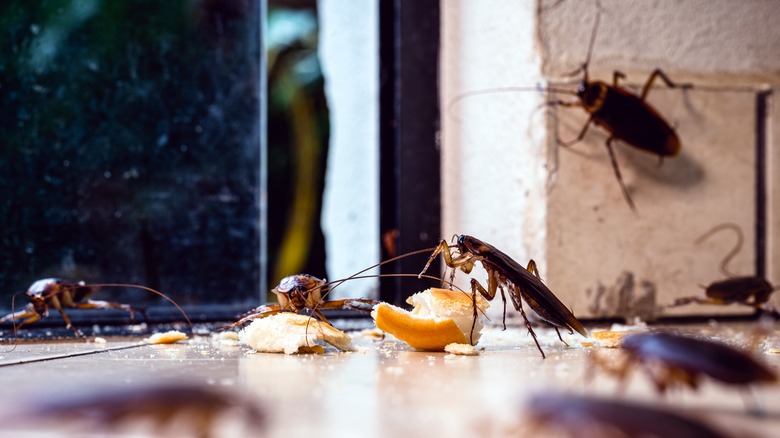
[532, 269]
[583, 130]
[618, 175]
[530, 329]
[616, 76]
[561, 337]
[658, 73]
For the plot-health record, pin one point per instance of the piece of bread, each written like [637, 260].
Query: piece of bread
[439, 317]
[169, 337]
[290, 333]
[461, 349]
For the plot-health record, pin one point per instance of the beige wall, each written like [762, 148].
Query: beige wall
[593, 251]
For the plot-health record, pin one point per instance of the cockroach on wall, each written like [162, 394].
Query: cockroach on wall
[64, 294]
[522, 284]
[624, 115]
[747, 290]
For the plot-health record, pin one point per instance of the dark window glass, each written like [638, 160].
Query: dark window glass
[130, 146]
[298, 135]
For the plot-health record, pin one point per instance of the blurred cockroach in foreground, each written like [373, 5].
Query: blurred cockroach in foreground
[180, 410]
[522, 284]
[672, 360]
[580, 416]
[624, 115]
[747, 290]
[64, 294]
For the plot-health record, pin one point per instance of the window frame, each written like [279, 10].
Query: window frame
[410, 169]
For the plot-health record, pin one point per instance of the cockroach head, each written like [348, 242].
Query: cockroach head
[592, 94]
[39, 292]
[298, 283]
[463, 242]
[582, 90]
[470, 244]
[41, 288]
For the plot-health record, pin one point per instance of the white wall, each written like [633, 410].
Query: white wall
[492, 178]
[493, 158]
[349, 52]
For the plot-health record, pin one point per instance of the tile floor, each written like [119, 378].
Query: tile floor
[384, 389]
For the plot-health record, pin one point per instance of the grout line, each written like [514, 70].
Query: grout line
[69, 355]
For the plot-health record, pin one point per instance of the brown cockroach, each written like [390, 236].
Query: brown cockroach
[301, 293]
[737, 290]
[749, 290]
[522, 284]
[63, 294]
[176, 409]
[671, 360]
[624, 115]
[578, 416]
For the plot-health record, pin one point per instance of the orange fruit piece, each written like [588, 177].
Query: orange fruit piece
[430, 325]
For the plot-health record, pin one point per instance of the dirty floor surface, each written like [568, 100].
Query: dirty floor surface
[383, 389]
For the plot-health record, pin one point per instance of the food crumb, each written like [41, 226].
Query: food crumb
[225, 336]
[461, 349]
[170, 337]
[373, 333]
[613, 337]
[226, 339]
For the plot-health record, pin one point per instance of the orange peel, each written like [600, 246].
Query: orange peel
[440, 317]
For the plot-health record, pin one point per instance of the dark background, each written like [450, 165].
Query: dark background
[130, 146]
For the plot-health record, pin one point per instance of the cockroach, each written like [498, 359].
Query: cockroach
[624, 115]
[301, 293]
[578, 416]
[522, 284]
[747, 290]
[64, 294]
[671, 360]
[176, 409]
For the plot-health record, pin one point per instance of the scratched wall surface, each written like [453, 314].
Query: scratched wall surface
[597, 255]
[713, 39]
[606, 259]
